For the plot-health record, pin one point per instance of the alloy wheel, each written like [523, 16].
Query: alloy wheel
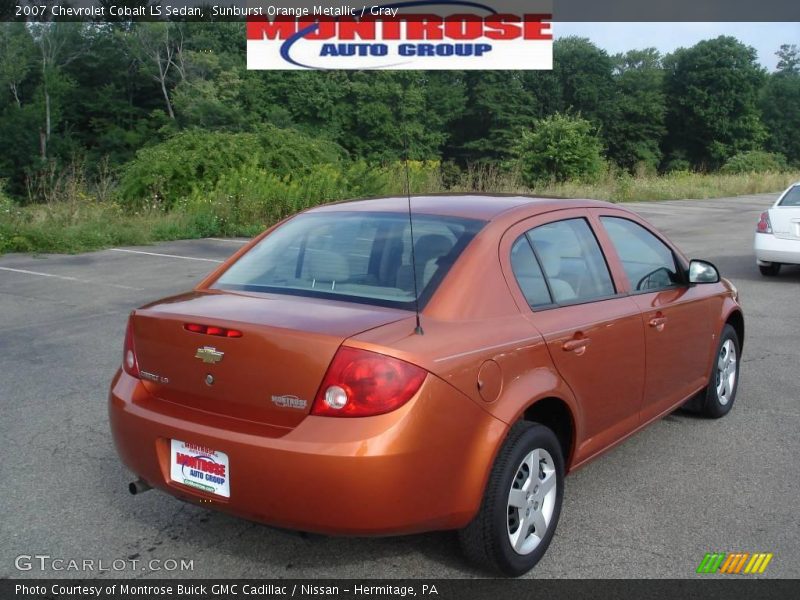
[726, 372]
[531, 501]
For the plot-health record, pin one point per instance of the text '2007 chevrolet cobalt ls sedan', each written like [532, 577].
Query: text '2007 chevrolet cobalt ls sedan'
[294, 386]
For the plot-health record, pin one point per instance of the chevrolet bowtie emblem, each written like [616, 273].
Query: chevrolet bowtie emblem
[209, 355]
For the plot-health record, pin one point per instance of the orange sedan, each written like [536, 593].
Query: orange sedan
[361, 369]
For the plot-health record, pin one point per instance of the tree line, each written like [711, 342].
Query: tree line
[95, 94]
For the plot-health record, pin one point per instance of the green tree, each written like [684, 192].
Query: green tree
[158, 48]
[445, 101]
[584, 75]
[208, 93]
[789, 59]
[387, 113]
[379, 123]
[58, 44]
[497, 108]
[109, 107]
[635, 133]
[559, 147]
[20, 107]
[16, 58]
[780, 107]
[582, 83]
[311, 101]
[712, 93]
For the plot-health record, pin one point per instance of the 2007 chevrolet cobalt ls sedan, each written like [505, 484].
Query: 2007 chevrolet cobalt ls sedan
[294, 387]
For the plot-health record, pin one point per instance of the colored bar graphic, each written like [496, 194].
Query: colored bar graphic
[732, 563]
[767, 558]
[701, 568]
[714, 567]
[729, 562]
[754, 563]
[711, 562]
[740, 563]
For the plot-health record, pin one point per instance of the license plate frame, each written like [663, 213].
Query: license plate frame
[200, 467]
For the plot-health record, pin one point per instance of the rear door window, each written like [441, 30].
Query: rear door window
[570, 257]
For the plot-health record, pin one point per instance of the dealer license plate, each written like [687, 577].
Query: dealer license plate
[200, 467]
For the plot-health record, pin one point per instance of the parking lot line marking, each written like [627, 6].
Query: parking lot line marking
[242, 242]
[67, 278]
[213, 260]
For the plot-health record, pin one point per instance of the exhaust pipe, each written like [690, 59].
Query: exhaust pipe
[139, 486]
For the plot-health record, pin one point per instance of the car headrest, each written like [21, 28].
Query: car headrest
[327, 266]
[431, 246]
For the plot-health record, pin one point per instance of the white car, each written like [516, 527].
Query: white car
[778, 233]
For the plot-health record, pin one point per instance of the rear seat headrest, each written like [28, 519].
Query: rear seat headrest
[327, 266]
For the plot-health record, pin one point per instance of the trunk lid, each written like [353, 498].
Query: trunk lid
[268, 375]
[785, 222]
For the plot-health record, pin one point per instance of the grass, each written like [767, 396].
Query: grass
[79, 221]
[626, 188]
[675, 186]
[67, 228]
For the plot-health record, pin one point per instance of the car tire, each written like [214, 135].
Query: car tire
[514, 503]
[724, 379]
[770, 270]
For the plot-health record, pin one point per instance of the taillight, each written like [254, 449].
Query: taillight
[764, 225]
[360, 383]
[129, 362]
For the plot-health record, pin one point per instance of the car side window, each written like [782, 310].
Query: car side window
[529, 274]
[572, 261]
[649, 263]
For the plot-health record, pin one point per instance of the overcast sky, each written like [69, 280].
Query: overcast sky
[766, 38]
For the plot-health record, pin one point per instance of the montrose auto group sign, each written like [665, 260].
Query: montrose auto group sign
[414, 34]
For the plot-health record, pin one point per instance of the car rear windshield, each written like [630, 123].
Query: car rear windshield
[792, 197]
[354, 256]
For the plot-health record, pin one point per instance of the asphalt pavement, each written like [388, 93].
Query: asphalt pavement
[652, 507]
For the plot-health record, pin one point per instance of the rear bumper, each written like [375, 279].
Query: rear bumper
[771, 249]
[422, 467]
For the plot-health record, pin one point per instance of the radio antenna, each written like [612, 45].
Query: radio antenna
[418, 329]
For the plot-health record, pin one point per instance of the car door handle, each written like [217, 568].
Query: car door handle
[658, 323]
[578, 346]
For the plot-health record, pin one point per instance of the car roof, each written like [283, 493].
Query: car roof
[472, 206]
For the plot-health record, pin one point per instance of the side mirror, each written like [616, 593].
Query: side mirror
[701, 271]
